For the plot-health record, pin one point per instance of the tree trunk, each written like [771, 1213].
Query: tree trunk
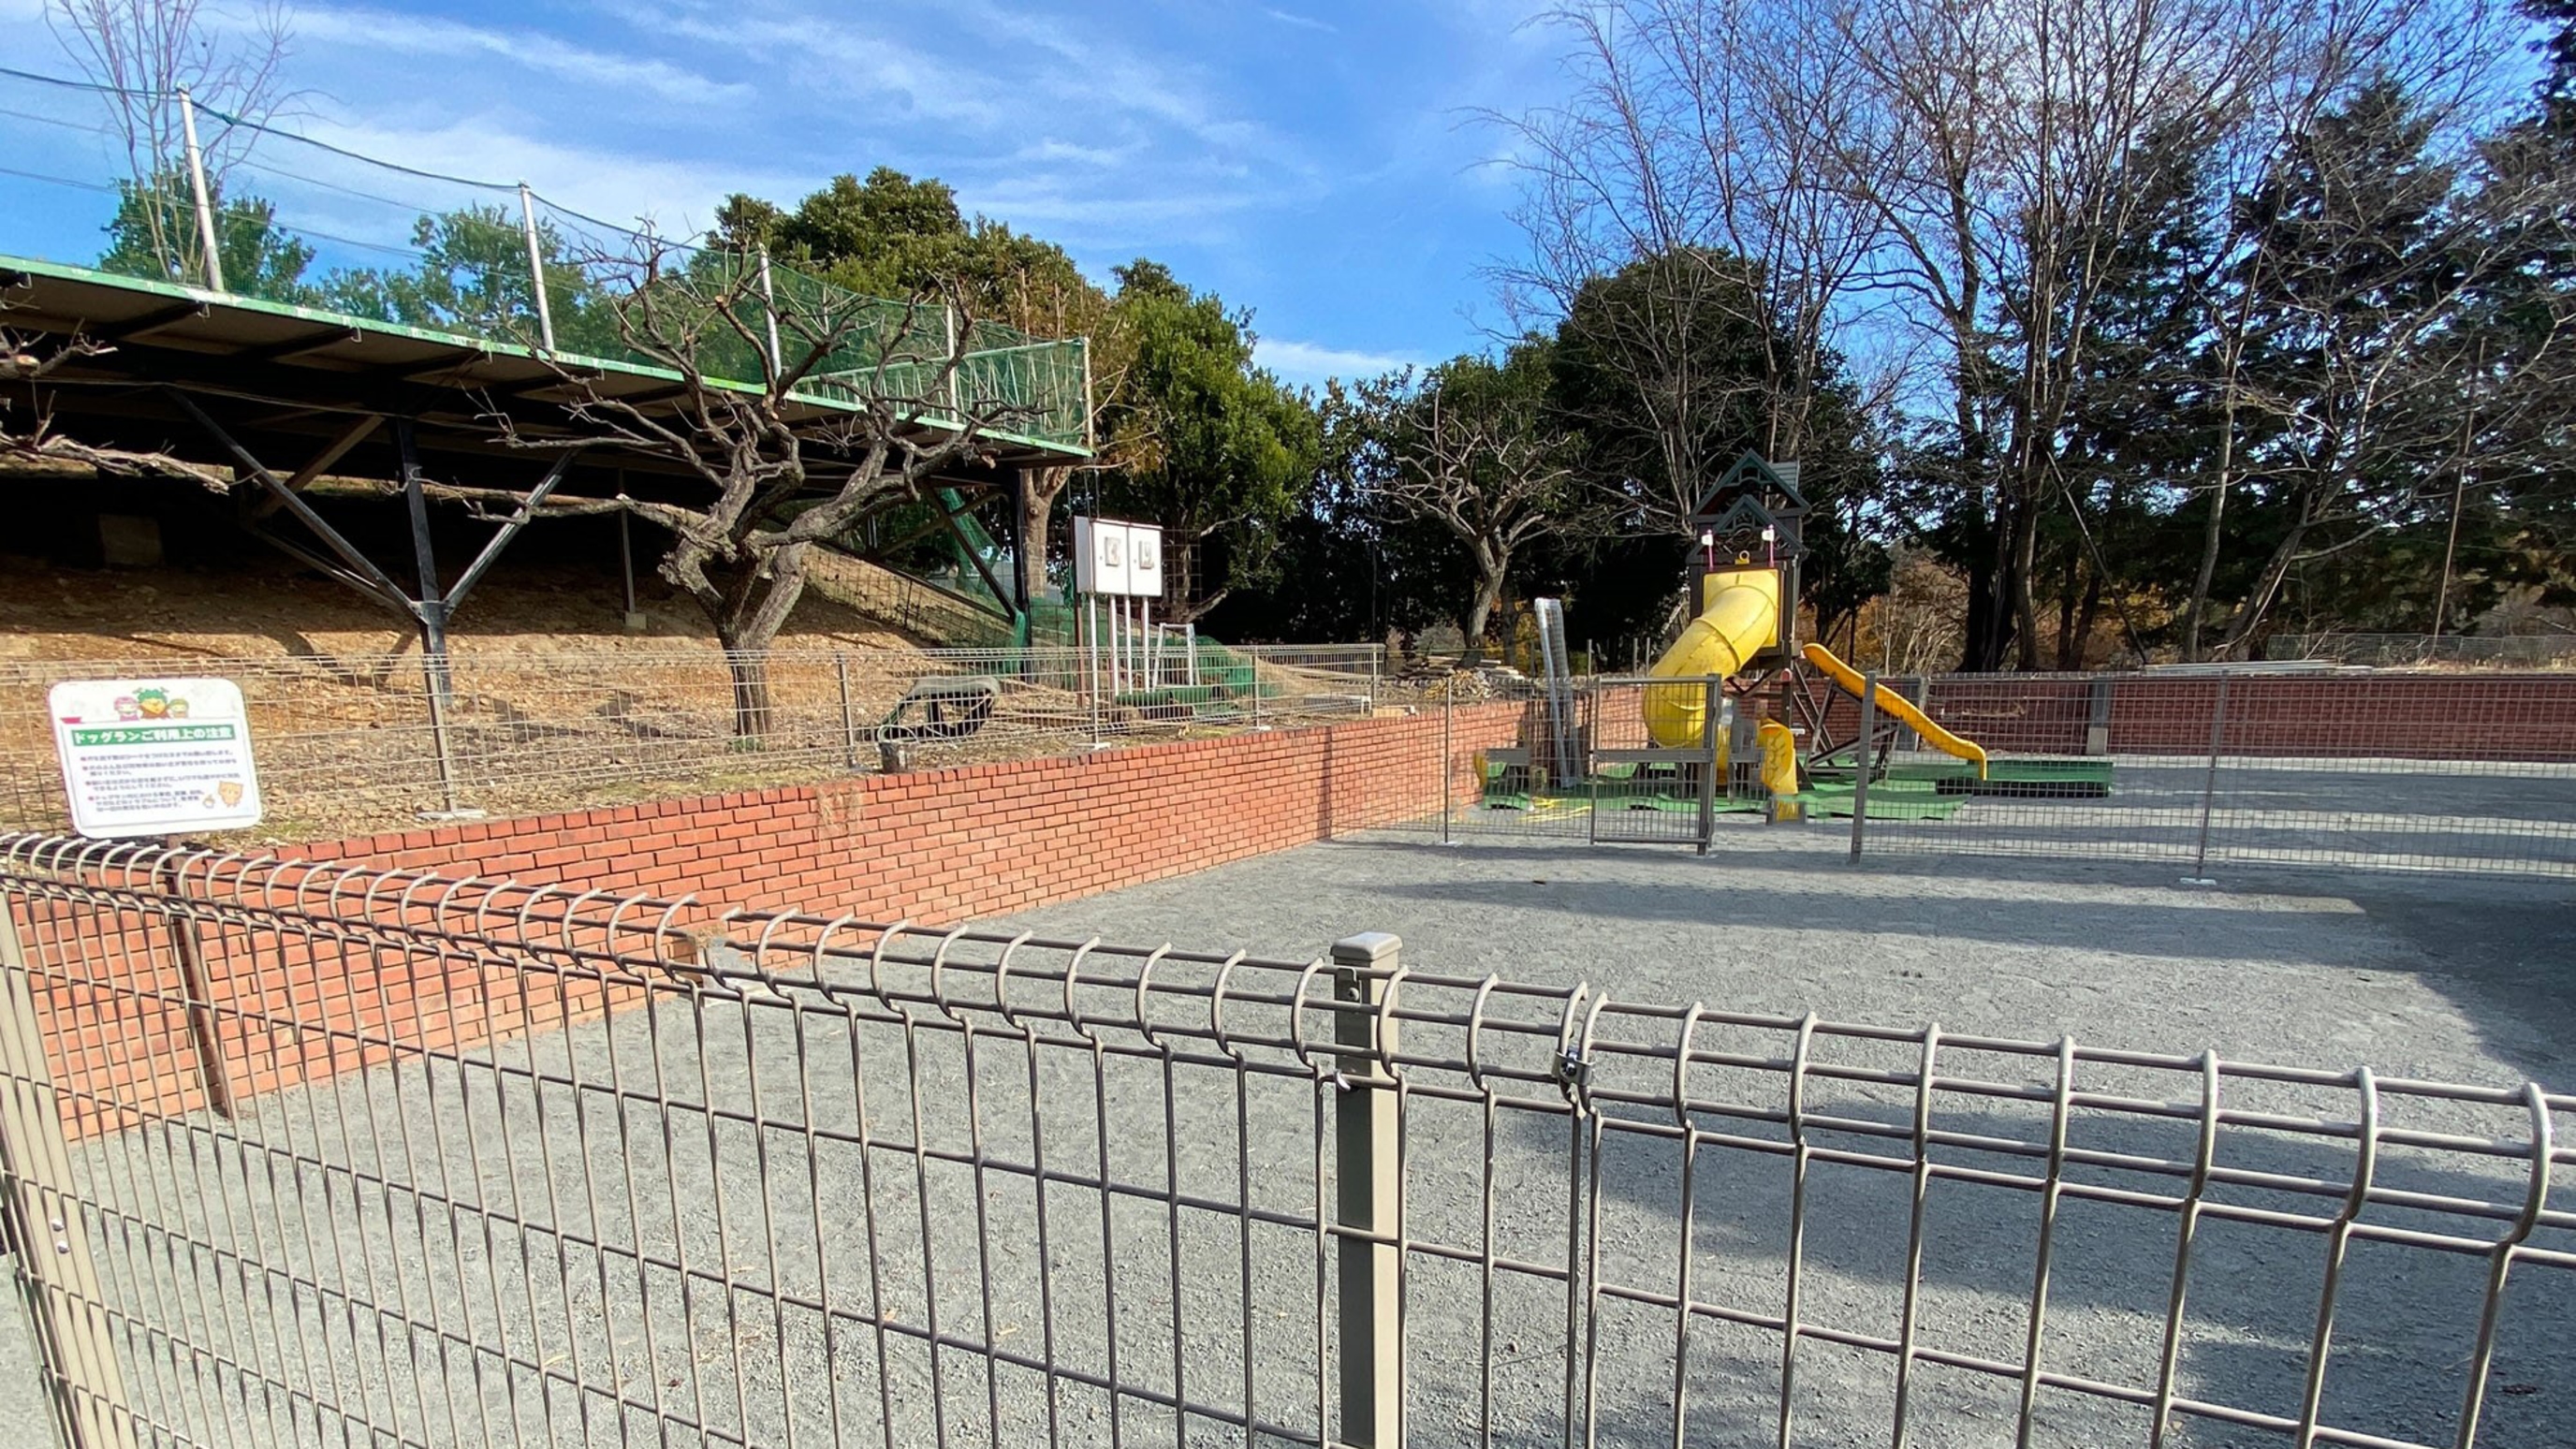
[1489, 589]
[2086, 618]
[2196, 610]
[748, 618]
[2267, 587]
[2025, 557]
[1038, 493]
[751, 713]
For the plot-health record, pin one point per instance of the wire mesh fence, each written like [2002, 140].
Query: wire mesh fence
[331, 1156]
[2384, 651]
[99, 178]
[2199, 770]
[2224, 769]
[350, 743]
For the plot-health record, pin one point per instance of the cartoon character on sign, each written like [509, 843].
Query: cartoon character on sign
[126, 708]
[153, 703]
[229, 791]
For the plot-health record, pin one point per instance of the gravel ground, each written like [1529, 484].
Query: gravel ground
[2443, 978]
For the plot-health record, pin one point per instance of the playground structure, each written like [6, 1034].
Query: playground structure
[1739, 715]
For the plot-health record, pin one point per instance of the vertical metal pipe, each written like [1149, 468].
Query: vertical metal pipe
[769, 315]
[1368, 1175]
[536, 267]
[431, 608]
[214, 265]
[849, 722]
[2209, 783]
[1448, 744]
[191, 953]
[626, 554]
[1087, 440]
[1145, 630]
[1864, 759]
[948, 317]
[1091, 661]
[1711, 763]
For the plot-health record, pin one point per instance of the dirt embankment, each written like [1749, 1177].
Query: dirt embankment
[168, 614]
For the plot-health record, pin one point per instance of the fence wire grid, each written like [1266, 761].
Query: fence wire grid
[313, 1154]
[2200, 770]
[349, 743]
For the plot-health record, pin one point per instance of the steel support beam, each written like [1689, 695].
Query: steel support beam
[332, 452]
[510, 529]
[291, 501]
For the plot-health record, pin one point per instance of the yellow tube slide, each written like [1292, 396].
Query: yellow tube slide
[1739, 617]
[1898, 707]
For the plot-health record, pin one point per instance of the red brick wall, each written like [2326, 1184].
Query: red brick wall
[973, 840]
[2405, 716]
[931, 846]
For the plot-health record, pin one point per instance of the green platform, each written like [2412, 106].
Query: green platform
[1907, 791]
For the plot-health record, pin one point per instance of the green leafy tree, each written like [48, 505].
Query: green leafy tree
[1473, 448]
[154, 234]
[473, 277]
[1671, 368]
[1210, 446]
[892, 235]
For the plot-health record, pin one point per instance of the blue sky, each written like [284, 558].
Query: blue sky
[1317, 162]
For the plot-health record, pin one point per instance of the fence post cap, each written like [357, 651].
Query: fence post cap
[1368, 948]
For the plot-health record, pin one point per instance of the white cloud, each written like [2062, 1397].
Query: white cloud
[1306, 362]
[1302, 22]
[414, 36]
[614, 186]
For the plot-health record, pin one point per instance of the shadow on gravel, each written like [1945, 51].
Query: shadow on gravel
[2502, 950]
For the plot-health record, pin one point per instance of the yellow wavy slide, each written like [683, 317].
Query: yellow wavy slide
[1899, 707]
[1739, 617]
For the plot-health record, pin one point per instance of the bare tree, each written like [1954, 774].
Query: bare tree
[143, 53]
[1957, 169]
[27, 431]
[1688, 156]
[783, 476]
[1473, 452]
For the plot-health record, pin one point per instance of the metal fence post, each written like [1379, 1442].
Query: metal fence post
[1368, 1180]
[1715, 696]
[442, 747]
[214, 262]
[191, 953]
[2209, 786]
[536, 267]
[1863, 755]
[1448, 750]
[849, 722]
[75, 1341]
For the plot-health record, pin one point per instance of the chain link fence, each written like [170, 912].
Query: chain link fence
[351, 743]
[317, 1155]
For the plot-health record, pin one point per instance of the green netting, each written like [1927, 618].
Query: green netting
[341, 236]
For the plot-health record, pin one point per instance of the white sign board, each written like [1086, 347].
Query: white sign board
[154, 756]
[1144, 560]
